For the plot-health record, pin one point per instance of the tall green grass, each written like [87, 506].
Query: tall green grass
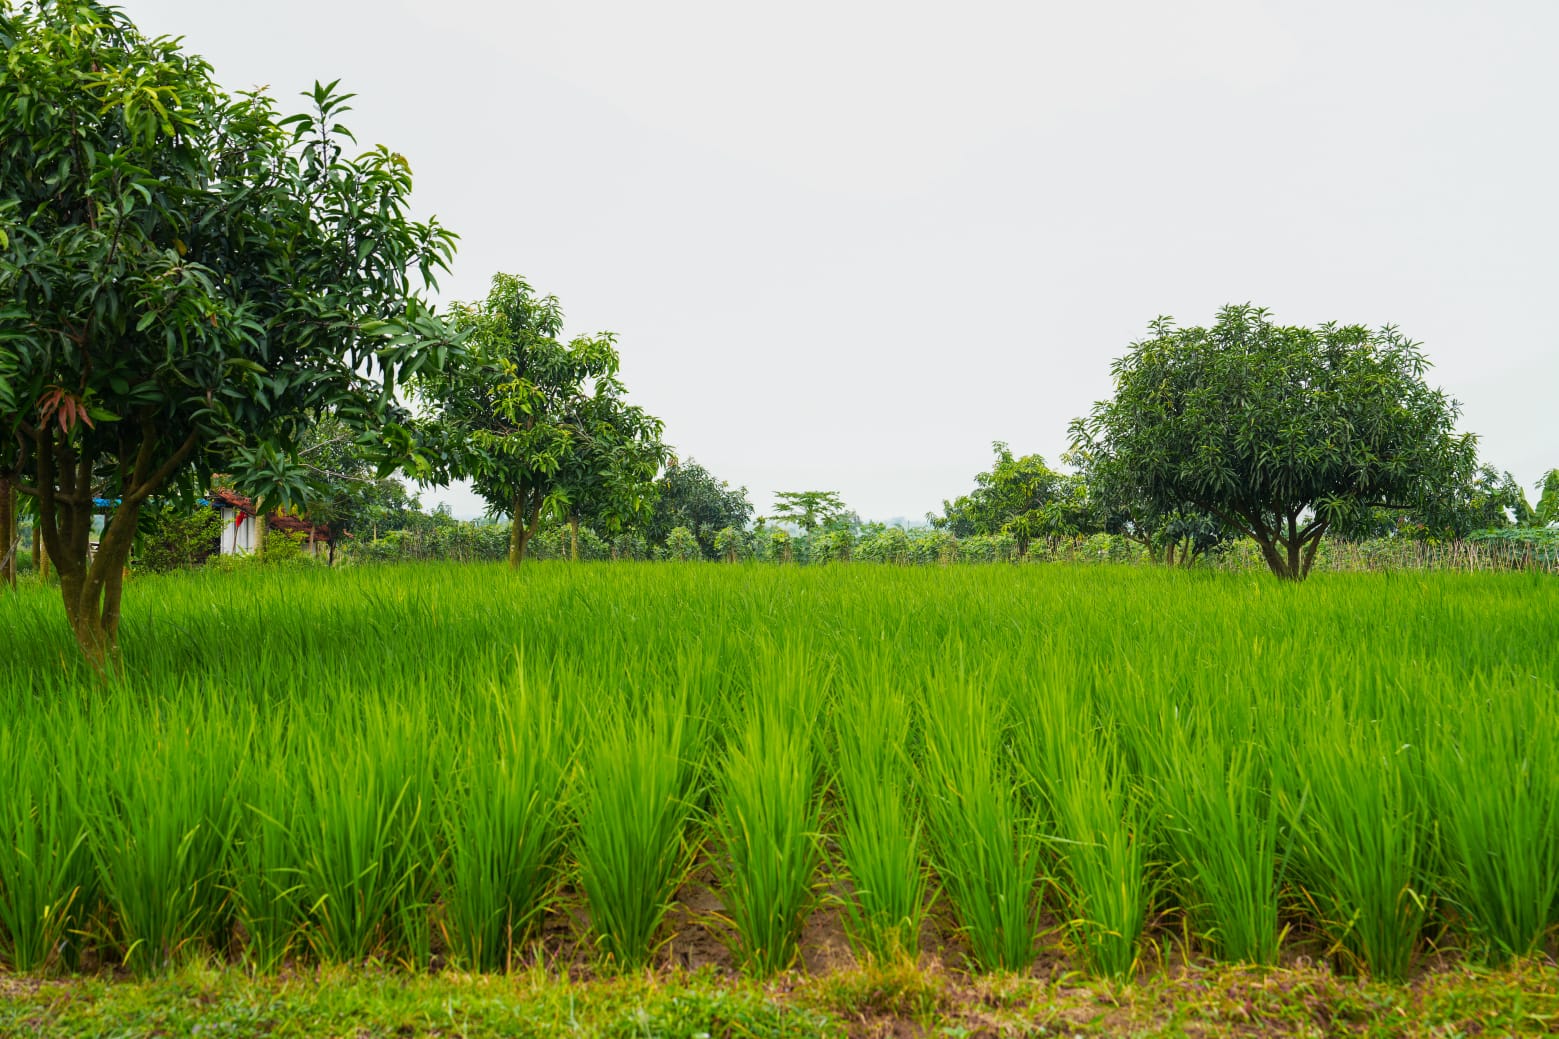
[163, 826]
[306, 766]
[636, 802]
[1224, 830]
[46, 874]
[1094, 813]
[503, 822]
[768, 819]
[1496, 787]
[1363, 839]
[366, 839]
[880, 830]
[986, 847]
[265, 865]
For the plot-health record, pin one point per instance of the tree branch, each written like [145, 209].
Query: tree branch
[167, 469]
[143, 456]
[48, 512]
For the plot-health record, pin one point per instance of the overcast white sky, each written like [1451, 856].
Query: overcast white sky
[847, 245]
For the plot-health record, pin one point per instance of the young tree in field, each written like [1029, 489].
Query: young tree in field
[730, 544]
[609, 480]
[809, 510]
[534, 424]
[1021, 496]
[1281, 432]
[688, 495]
[186, 277]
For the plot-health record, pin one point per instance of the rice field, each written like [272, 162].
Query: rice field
[1111, 767]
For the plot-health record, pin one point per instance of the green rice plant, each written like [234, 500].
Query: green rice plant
[333, 721]
[163, 823]
[985, 853]
[502, 824]
[635, 803]
[879, 828]
[1224, 827]
[1099, 823]
[46, 873]
[1103, 820]
[768, 817]
[1090, 806]
[1497, 797]
[360, 851]
[1360, 820]
[264, 871]
[414, 744]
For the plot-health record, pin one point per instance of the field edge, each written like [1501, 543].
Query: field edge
[1520, 998]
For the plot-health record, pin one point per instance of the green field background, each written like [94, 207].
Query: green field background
[1115, 764]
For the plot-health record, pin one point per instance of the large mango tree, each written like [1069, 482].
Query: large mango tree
[187, 278]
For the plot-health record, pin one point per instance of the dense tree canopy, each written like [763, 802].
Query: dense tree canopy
[1547, 511]
[691, 497]
[609, 482]
[1281, 432]
[540, 427]
[1021, 496]
[1115, 504]
[1480, 497]
[186, 278]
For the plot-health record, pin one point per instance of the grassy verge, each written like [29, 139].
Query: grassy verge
[1522, 998]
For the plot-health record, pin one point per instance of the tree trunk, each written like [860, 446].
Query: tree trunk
[40, 562]
[523, 527]
[530, 528]
[1275, 560]
[259, 536]
[573, 538]
[1291, 557]
[92, 588]
[1188, 553]
[10, 544]
[517, 537]
[91, 584]
[1309, 558]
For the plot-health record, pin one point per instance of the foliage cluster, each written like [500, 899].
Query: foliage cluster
[541, 428]
[691, 498]
[1022, 497]
[1280, 432]
[187, 277]
[172, 537]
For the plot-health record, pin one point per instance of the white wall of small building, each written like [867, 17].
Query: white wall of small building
[237, 538]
